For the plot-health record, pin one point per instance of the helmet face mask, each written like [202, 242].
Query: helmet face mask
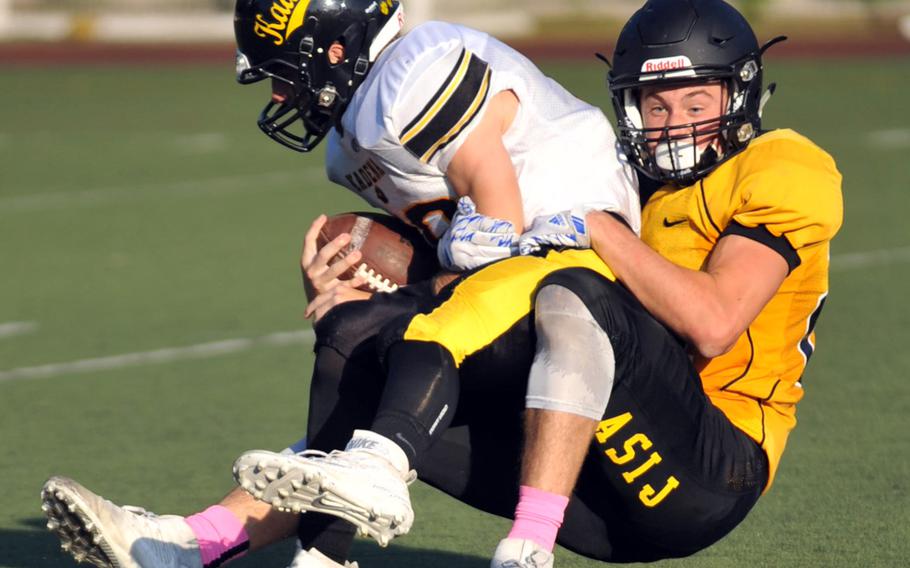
[295, 123]
[665, 46]
[289, 41]
[679, 150]
[683, 153]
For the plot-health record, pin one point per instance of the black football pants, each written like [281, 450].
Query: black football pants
[666, 475]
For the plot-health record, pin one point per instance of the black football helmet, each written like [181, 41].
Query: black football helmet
[674, 43]
[289, 40]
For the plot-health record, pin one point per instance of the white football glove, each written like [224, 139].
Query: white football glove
[558, 230]
[474, 239]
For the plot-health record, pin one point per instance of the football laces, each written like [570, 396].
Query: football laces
[375, 280]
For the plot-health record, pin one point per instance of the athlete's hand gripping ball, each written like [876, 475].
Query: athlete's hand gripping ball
[322, 267]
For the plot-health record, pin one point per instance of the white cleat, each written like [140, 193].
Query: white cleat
[93, 529]
[521, 553]
[312, 558]
[366, 484]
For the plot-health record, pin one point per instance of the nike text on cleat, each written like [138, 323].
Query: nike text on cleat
[94, 530]
[366, 484]
[521, 553]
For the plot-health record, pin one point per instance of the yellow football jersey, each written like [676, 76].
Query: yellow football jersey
[785, 191]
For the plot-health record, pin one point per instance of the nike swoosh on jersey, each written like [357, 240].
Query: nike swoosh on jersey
[673, 223]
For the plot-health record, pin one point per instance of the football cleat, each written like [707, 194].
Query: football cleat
[366, 484]
[94, 530]
[521, 553]
[312, 558]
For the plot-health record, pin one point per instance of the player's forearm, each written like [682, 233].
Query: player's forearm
[679, 297]
[483, 171]
[482, 168]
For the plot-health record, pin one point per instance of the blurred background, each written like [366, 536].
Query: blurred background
[151, 322]
[875, 21]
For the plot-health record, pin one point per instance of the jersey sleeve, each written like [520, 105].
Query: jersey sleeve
[441, 99]
[790, 192]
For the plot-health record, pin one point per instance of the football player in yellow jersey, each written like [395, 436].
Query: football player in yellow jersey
[666, 372]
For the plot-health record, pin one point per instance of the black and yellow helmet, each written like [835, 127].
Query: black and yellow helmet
[679, 42]
[288, 40]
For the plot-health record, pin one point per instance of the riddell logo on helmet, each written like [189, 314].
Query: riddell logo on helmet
[666, 64]
[286, 16]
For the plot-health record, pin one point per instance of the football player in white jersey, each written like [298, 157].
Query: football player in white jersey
[447, 129]
[442, 113]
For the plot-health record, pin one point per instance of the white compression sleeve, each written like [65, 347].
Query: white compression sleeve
[574, 364]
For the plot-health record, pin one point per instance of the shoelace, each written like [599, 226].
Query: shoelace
[349, 456]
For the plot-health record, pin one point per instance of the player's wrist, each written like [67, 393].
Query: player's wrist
[605, 227]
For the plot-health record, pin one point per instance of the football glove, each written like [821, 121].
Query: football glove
[474, 239]
[558, 230]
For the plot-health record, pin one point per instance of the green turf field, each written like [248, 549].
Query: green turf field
[141, 209]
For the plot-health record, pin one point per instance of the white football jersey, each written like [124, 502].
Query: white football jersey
[428, 91]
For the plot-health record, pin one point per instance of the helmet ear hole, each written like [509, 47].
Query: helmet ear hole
[337, 52]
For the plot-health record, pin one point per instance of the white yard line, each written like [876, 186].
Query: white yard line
[880, 257]
[201, 143]
[166, 355]
[249, 182]
[840, 262]
[11, 328]
[889, 139]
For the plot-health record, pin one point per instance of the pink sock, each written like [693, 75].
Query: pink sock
[220, 535]
[538, 516]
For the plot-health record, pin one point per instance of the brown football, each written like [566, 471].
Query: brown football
[394, 254]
